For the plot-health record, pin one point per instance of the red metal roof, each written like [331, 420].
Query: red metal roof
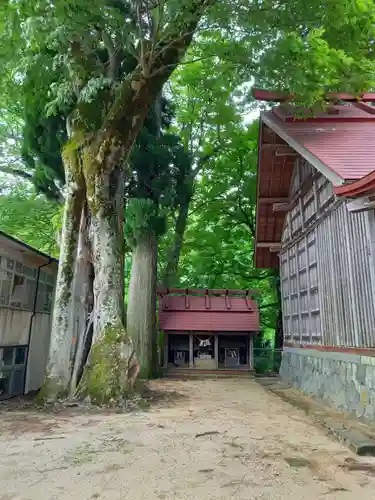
[339, 143]
[208, 313]
[272, 96]
[343, 142]
[361, 187]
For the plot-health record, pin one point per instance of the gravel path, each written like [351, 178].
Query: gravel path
[216, 439]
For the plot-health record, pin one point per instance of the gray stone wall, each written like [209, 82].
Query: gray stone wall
[344, 381]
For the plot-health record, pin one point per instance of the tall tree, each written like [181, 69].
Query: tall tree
[157, 159]
[205, 114]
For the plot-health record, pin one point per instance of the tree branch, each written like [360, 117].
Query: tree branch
[248, 222]
[135, 94]
[141, 39]
[191, 61]
[203, 160]
[112, 54]
[17, 172]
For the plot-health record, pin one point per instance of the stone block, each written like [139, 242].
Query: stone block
[359, 443]
[340, 401]
[370, 377]
[360, 409]
[337, 367]
[325, 366]
[368, 360]
[342, 370]
[361, 374]
[337, 382]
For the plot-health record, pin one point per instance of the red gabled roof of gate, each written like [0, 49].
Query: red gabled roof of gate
[208, 311]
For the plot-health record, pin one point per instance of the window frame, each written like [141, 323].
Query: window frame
[44, 287]
[13, 369]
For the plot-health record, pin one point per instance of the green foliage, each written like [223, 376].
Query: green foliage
[30, 218]
[43, 135]
[315, 48]
[158, 163]
[142, 215]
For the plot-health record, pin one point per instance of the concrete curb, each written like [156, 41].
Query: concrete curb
[354, 439]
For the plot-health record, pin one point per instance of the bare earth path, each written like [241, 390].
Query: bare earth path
[259, 447]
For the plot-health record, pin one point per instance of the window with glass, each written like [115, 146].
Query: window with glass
[12, 370]
[18, 286]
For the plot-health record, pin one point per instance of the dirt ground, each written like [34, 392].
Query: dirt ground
[215, 439]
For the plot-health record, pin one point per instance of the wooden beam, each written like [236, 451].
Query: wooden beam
[280, 207]
[274, 146]
[344, 96]
[272, 246]
[360, 205]
[270, 201]
[285, 151]
[365, 107]
[202, 291]
[266, 95]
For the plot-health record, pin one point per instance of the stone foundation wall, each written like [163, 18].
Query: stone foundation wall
[344, 381]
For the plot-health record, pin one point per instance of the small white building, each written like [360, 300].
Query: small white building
[27, 285]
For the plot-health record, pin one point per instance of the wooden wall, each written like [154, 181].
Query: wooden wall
[326, 266]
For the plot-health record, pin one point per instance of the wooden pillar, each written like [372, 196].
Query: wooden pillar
[216, 350]
[166, 349]
[191, 351]
[251, 352]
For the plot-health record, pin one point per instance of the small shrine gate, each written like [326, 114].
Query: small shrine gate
[208, 329]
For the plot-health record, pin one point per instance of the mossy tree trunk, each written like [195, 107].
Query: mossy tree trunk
[112, 365]
[58, 368]
[141, 310]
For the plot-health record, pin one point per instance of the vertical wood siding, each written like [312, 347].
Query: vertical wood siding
[347, 294]
[327, 270]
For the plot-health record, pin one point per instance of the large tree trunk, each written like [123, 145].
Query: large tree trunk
[141, 311]
[175, 252]
[58, 368]
[112, 366]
